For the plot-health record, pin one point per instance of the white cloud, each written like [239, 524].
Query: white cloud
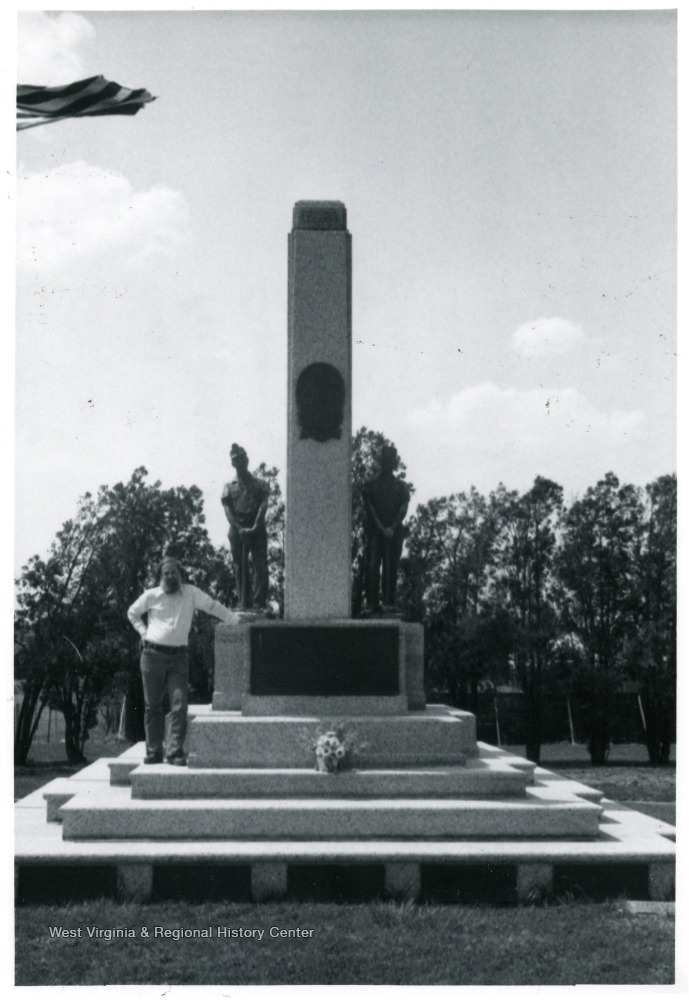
[78, 211]
[485, 434]
[547, 336]
[49, 47]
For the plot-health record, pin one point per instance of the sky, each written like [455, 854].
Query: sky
[510, 184]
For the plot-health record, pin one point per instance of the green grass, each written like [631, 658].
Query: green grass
[48, 760]
[379, 943]
[621, 754]
[632, 782]
[627, 776]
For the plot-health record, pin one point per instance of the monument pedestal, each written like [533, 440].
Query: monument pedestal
[436, 736]
[278, 685]
[327, 667]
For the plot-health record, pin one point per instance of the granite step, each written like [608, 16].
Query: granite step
[476, 780]
[436, 736]
[326, 819]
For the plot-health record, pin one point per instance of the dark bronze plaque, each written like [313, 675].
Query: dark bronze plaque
[320, 402]
[324, 661]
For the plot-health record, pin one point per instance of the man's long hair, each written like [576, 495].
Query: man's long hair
[159, 569]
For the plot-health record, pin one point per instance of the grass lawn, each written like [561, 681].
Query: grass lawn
[379, 943]
[48, 761]
[627, 777]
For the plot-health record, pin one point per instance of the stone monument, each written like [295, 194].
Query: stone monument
[423, 803]
[319, 660]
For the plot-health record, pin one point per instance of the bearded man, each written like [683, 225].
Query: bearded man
[169, 609]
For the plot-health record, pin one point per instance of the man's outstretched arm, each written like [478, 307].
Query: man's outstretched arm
[204, 602]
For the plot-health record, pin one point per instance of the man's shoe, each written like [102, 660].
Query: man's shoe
[153, 758]
[177, 760]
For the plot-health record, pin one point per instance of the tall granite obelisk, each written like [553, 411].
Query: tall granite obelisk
[319, 661]
[319, 492]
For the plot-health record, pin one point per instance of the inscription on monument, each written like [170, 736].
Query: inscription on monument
[320, 402]
[325, 661]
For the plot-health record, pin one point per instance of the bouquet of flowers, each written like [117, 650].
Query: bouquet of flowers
[330, 752]
[333, 748]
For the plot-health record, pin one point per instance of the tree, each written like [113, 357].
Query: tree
[30, 671]
[49, 596]
[596, 564]
[650, 655]
[525, 588]
[451, 547]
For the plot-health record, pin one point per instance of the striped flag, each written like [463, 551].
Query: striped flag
[86, 98]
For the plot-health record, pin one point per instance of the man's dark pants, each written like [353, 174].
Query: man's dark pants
[387, 551]
[161, 672]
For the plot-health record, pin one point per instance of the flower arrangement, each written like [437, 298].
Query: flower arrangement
[330, 752]
[334, 748]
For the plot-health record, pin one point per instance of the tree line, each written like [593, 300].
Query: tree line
[511, 587]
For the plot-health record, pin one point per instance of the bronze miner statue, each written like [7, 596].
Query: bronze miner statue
[245, 502]
[386, 500]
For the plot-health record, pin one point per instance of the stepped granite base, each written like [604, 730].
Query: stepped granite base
[530, 860]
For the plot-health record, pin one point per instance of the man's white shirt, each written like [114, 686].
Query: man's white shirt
[170, 615]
